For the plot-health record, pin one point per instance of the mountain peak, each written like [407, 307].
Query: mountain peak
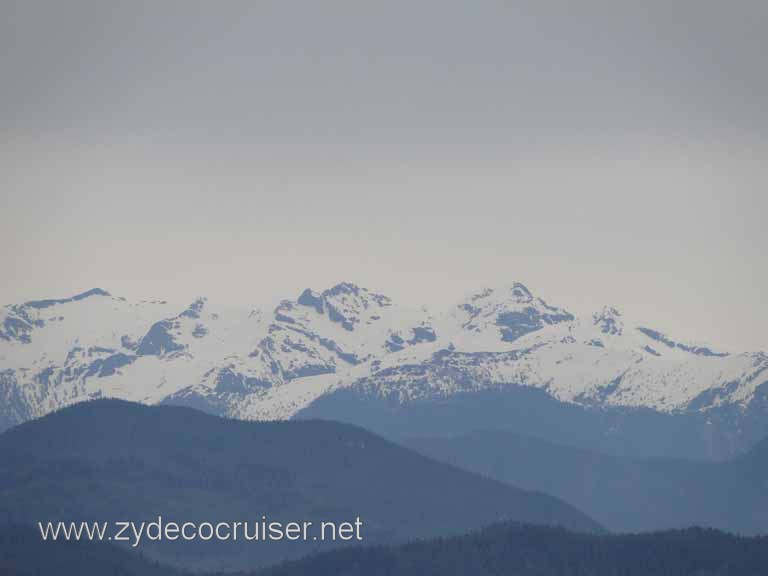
[344, 288]
[311, 298]
[346, 292]
[609, 320]
[512, 310]
[345, 304]
[91, 292]
[516, 292]
[520, 292]
[77, 297]
[194, 309]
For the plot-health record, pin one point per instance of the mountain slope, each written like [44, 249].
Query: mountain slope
[347, 350]
[535, 551]
[109, 460]
[622, 493]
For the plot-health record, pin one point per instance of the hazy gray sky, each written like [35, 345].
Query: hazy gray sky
[600, 152]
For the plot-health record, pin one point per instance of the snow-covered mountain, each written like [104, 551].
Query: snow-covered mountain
[257, 364]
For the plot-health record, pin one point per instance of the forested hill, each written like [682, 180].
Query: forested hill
[512, 549]
[24, 553]
[500, 550]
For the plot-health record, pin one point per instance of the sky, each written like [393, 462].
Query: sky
[601, 153]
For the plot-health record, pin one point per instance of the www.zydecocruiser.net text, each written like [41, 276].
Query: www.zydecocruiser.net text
[262, 530]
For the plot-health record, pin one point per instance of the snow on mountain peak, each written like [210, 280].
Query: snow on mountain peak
[332, 331]
[19, 321]
[515, 292]
[661, 338]
[511, 311]
[271, 365]
[346, 304]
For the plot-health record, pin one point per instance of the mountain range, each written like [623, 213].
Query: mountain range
[623, 494]
[502, 358]
[111, 460]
